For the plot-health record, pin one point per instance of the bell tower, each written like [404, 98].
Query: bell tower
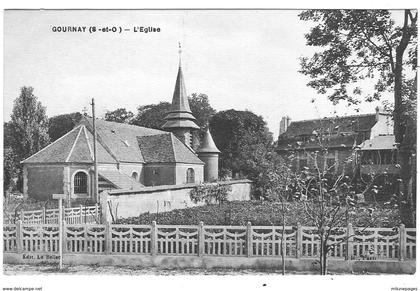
[180, 120]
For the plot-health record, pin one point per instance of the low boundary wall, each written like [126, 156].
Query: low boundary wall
[129, 203]
[208, 262]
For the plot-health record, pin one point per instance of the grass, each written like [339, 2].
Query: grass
[262, 213]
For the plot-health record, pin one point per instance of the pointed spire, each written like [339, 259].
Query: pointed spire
[207, 145]
[180, 115]
[180, 54]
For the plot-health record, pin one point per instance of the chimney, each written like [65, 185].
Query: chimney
[377, 114]
[284, 124]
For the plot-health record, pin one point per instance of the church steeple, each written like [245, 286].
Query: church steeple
[180, 120]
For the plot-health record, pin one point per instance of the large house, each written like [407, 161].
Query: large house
[339, 139]
[128, 156]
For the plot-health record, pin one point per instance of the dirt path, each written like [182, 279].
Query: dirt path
[111, 270]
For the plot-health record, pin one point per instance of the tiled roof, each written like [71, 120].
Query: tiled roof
[182, 153]
[57, 151]
[341, 124]
[121, 139]
[75, 146]
[118, 179]
[340, 132]
[117, 142]
[166, 148]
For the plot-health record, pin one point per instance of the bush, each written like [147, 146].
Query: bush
[210, 193]
[261, 213]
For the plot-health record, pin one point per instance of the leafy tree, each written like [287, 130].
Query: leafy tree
[201, 109]
[61, 124]
[151, 115]
[28, 125]
[120, 115]
[243, 139]
[367, 44]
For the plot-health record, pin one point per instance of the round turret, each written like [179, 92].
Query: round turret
[209, 154]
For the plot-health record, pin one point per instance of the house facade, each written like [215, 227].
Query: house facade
[336, 139]
[129, 157]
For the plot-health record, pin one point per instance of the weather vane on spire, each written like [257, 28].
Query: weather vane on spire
[180, 52]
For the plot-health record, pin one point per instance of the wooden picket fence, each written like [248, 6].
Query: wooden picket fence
[75, 215]
[205, 240]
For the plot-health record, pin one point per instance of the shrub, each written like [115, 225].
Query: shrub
[210, 193]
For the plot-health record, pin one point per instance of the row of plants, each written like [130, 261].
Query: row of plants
[264, 213]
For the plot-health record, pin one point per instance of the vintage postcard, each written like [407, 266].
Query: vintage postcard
[252, 145]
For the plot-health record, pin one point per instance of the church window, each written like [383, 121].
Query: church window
[80, 183]
[135, 176]
[190, 176]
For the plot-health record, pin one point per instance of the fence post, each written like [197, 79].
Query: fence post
[19, 243]
[200, 239]
[64, 239]
[21, 215]
[249, 239]
[108, 238]
[44, 215]
[81, 213]
[402, 242]
[96, 210]
[349, 244]
[299, 241]
[153, 239]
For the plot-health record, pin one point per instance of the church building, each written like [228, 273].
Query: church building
[128, 156]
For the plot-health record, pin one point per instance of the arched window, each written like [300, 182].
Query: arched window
[81, 183]
[135, 176]
[190, 176]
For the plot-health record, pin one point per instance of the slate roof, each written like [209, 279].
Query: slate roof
[76, 146]
[171, 150]
[118, 179]
[343, 131]
[117, 142]
[180, 115]
[207, 145]
[341, 124]
[120, 139]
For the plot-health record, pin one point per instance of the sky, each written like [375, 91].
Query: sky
[242, 59]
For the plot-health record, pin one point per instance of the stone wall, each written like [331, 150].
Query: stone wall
[40, 181]
[128, 203]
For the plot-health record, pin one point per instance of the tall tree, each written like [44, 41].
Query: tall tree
[202, 111]
[61, 124]
[201, 108]
[28, 128]
[367, 44]
[243, 139]
[28, 125]
[151, 115]
[120, 115]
